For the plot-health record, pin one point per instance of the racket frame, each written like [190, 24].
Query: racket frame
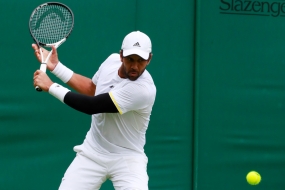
[56, 44]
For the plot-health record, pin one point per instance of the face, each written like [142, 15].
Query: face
[133, 66]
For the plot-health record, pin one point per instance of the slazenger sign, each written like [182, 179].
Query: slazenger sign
[251, 7]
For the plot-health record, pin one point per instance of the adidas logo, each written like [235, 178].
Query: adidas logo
[137, 44]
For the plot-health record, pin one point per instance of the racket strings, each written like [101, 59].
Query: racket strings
[51, 23]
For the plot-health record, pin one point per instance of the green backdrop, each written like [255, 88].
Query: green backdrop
[219, 113]
[239, 94]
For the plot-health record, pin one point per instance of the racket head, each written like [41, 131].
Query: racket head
[51, 22]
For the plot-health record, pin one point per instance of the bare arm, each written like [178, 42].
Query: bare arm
[82, 84]
[78, 82]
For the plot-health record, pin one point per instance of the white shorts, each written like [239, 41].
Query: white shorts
[89, 170]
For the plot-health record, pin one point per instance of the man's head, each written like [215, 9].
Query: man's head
[135, 54]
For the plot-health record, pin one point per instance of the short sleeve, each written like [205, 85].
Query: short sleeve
[95, 77]
[130, 97]
[110, 59]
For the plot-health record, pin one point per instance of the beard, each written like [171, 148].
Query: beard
[132, 74]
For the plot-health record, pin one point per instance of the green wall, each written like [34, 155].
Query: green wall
[219, 70]
[239, 94]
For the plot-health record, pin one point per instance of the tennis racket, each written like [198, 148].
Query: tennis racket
[50, 25]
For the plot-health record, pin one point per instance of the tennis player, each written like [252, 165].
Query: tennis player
[120, 97]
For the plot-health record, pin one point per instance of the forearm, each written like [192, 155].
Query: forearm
[82, 84]
[78, 82]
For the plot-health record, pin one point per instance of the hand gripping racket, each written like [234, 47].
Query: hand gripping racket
[50, 25]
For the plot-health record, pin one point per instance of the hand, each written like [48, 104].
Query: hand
[42, 80]
[53, 60]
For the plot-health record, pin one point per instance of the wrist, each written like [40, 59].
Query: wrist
[51, 68]
[62, 72]
[58, 91]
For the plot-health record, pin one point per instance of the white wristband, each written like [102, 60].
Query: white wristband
[58, 91]
[62, 72]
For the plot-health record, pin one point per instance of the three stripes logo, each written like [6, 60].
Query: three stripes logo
[137, 44]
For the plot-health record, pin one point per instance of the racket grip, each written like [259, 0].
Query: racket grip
[42, 68]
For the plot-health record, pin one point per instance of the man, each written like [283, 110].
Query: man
[119, 97]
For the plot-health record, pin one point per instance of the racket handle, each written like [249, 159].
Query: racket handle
[42, 68]
[38, 89]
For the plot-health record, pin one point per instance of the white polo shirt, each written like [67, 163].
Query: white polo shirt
[123, 132]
